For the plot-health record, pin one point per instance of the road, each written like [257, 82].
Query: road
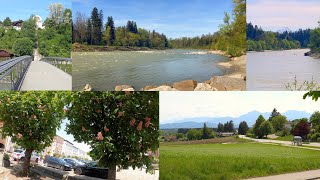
[44, 76]
[315, 174]
[287, 143]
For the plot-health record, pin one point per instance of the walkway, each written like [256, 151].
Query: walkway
[315, 174]
[288, 143]
[44, 76]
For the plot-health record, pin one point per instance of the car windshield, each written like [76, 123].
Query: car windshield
[92, 164]
[18, 151]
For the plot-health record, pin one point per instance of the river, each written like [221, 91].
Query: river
[272, 70]
[105, 70]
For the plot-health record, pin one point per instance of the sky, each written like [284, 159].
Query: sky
[23, 9]
[174, 18]
[63, 133]
[276, 15]
[176, 106]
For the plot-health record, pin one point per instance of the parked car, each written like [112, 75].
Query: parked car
[16, 155]
[73, 162]
[34, 157]
[57, 163]
[91, 169]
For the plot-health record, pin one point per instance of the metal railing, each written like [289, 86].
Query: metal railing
[65, 64]
[12, 72]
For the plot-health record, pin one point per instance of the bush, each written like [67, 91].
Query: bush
[251, 135]
[6, 157]
[23, 46]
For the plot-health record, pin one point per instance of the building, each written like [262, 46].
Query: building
[17, 25]
[67, 148]
[5, 54]
[38, 22]
[6, 144]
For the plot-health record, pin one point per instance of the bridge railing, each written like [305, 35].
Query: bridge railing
[12, 72]
[64, 64]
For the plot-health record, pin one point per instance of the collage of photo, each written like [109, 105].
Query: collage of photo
[160, 90]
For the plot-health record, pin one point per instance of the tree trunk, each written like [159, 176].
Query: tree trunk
[26, 164]
[112, 173]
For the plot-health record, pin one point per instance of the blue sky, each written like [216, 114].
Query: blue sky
[22, 9]
[63, 133]
[276, 15]
[175, 18]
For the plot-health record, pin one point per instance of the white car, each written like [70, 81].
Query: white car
[20, 155]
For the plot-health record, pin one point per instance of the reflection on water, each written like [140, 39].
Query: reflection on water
[105, 70]
[271, 70]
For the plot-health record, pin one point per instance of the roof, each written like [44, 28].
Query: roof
[16, 23]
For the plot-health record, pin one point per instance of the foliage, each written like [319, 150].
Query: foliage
[315, 119]
[220, 127]
[205, 132]
[313, 94]
[315, 40]
[256, 127]
[23, 46]
[194, 134]
[229, 127]
[120, 127]
[259, 40]
[274, 113]
[233, 161]
[55, 40]
[31, 118]
[243, 128]
[278, 122]
[7, 22]
[266, 128]
[6, 157]
[305, 86]
[301, 129]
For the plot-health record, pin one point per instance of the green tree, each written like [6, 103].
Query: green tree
[315, 119]
[205, 132]
[179, 135]
[7, 22]
[110, 28]
[96, 23]
[23, 46]
[278, 122]
[107, 35]
[274, 113]
[265, 128]
[120, 127]
[220, 127]
[31, 119]
[257, 125]
[243, 128]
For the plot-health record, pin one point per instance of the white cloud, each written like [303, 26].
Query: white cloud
[181, 105]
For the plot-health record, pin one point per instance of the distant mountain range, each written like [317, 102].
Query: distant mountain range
[213, 122]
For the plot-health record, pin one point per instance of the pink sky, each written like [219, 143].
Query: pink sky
[277, 14]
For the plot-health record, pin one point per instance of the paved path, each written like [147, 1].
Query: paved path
[44, 76]
[306, 175]
[288, 143]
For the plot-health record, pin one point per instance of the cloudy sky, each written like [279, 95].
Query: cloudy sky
[174, 18]
[23, 9]
[277, 14]
[181, 105]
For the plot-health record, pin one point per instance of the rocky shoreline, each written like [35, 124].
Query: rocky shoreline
[313, 54]
[86, 48]
[234, 80]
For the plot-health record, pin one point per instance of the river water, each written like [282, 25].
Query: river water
[105, 70]
[272, 70]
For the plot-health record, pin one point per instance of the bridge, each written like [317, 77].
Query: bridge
[24, 74]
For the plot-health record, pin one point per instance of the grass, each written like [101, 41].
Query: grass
[285, 138]
[232, 161]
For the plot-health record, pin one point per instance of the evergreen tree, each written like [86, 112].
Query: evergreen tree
[7, 22]
[256, 127]
[220, 127]
[243, 128]
[274, 113]
[112, 32]
[96, 27]
[89, 32]
[206, 132]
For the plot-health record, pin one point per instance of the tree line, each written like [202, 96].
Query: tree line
[259, 40]
[315, 40]
[231, 37]
[92, 31]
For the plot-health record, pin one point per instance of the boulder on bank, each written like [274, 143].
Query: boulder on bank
[187, 85]
[87, 88]
[163, 88]
[148, 88]
[204, 87]
[123, 88]
[226, 83]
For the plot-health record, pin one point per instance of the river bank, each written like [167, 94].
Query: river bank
[313, 53]
[76, 47]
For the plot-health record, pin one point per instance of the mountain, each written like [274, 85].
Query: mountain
[213, 122]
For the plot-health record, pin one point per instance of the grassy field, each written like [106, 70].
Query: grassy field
[232, 161]
[285, 138]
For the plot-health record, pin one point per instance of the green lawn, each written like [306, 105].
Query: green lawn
[285, 138]
[232, 161]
